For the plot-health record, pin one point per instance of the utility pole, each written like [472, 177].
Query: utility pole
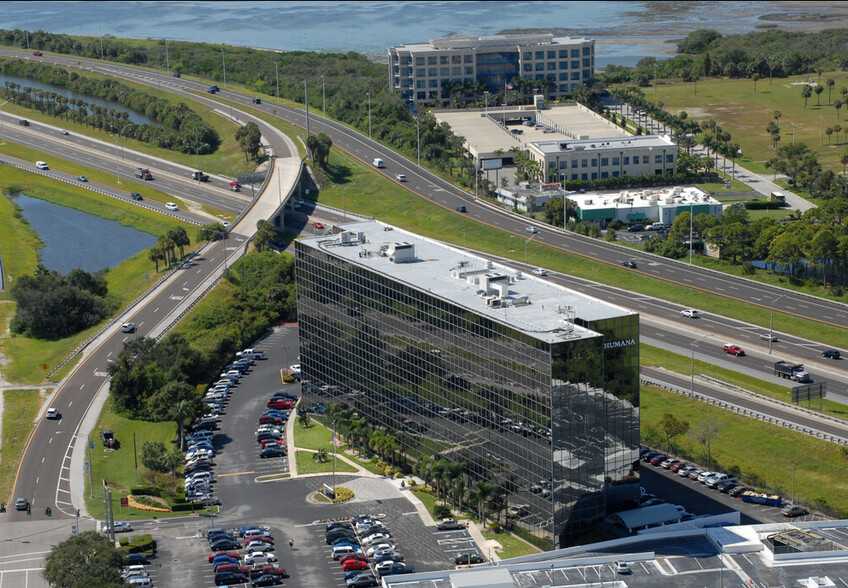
[323, 97]
[369, 115]
[224, 65]
[167, 61]
[277, 77]
[306, 101]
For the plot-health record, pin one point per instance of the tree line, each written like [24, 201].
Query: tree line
[180, 129]
[52, 306]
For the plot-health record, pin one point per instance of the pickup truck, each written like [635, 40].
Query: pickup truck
[200, 176]
[791, 371]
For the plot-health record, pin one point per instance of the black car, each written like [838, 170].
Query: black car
[461, 209]
[468, 558]
[339, 525]
[256, 100]
[266, 580]
[831, 354]
[629, 264]
[738, 490]
[227, 578]
[726, 487]
[136, 196]
[636, 228]
[339, 534]
[272, 451]
[225, 545]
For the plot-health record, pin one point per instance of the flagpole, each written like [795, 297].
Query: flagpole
[334, 456]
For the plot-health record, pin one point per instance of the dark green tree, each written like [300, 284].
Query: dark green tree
[87, 560]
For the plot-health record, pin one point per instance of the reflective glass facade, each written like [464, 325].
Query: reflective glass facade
[553, 420]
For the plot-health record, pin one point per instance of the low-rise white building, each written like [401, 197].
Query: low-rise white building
[637, 206]
[596, 159]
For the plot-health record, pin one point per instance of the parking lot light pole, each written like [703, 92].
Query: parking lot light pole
[771, 321]
[526, 267]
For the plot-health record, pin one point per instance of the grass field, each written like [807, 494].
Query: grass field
[20, 408]
[117, 467]
[512, 545]
[315, 436]
[745, 113]
[307, 465]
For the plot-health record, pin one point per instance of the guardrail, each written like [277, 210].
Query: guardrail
[744, 411]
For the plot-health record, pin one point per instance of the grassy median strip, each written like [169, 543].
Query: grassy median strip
[19, 410]
[759, 453]
[682, 365]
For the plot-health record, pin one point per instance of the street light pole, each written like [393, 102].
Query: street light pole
[793, 482]
[323, 97]
[418, 127]
[771, 321]
[369, 114]
[527, 267]
[690, 233]
[224, 66]
[692, 347]
[277, 77]
[486, 97]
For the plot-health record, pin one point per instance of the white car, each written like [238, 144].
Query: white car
[375, 548]
[690, 313]
[295, 369]
[128, 328]
[120, 527]
[533, 230]
[702, 477]
[225, 224]
[171, 206]
[540, 272]
[41, 165]
[259, 557]
[375, 539]
[52, 413]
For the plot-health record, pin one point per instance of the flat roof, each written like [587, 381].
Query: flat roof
[531, 305]
[563, 123]
[485, 41]
[676, 196]
[604, 143]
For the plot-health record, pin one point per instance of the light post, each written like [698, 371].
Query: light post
[323, 97]
[793, 482]
[115, 134]
[344, 201]
[418, 127]
[224, 65]
[334, 456]
[486, 98]
[793, 132]
[277, 77]
[369, 114]
[690, 233]
[527, 267]
[771, 321]
[692, 347]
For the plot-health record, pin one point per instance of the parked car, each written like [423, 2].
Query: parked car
[738, 490]
[715, 480]
[463, 559]
[349, 565]
[391, 568]
[702, 477]
[727, 486]
[621, 567]
[636, 228]
[793, 510]
[387, 555]
[666, 463]
[448, 524]
[259, 557]
[365, 579]
[272, 451]
[677, 466]
[266, 579]
[658, 459]
[685, 471]
[228, 578]
[648, 456]
[693, 475]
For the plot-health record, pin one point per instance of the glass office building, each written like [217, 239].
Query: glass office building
[532, 386]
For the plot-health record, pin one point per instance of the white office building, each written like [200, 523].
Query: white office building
[637, 206]
[423, 72]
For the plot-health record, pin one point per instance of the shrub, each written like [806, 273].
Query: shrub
[343, 494]
[441, 511]
[411, 483]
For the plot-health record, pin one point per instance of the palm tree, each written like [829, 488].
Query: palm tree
[819, 89]
[806, 92]
[837, 105]
[844, 161]
[304, 419]
[320, 456]
[154, 255]
[830, 83]
[828, 131]
[837, 129]
[480, 492]
[777, 114]
[182, 412]
[756, 78]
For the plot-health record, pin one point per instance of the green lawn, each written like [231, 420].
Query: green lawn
[307, 465]
[428, 499]
[745, 113]
[760, 451]
[19, 410]
[512, 545]
[117, 467]
[315, 436]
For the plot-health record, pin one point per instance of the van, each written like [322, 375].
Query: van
[378, 163]
[341, 550]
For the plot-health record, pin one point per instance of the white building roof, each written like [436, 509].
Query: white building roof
[482, 42]
[676, 196]
[611, 144]
[532, 305]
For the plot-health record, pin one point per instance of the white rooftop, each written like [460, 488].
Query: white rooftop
[507, 40]
[676, 196]
[605, 143]
[524, 302]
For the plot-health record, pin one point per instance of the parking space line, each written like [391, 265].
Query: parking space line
[235, 474]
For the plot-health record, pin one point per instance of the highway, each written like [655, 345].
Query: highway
[45, 478]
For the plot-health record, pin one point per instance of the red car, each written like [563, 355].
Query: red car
[235, 568]
[37, 53]
[676, 467]
[734, 350]
[267, 419]
[267, 442]
[279, 403]
[354, 564]
[353, 556]
[259, 571]
[317, 225]
[233, 554]
[659, 459]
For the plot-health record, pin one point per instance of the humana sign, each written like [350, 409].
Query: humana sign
[620, 343]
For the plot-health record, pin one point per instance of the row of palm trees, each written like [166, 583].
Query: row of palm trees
[452, 480]
[166, 248]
